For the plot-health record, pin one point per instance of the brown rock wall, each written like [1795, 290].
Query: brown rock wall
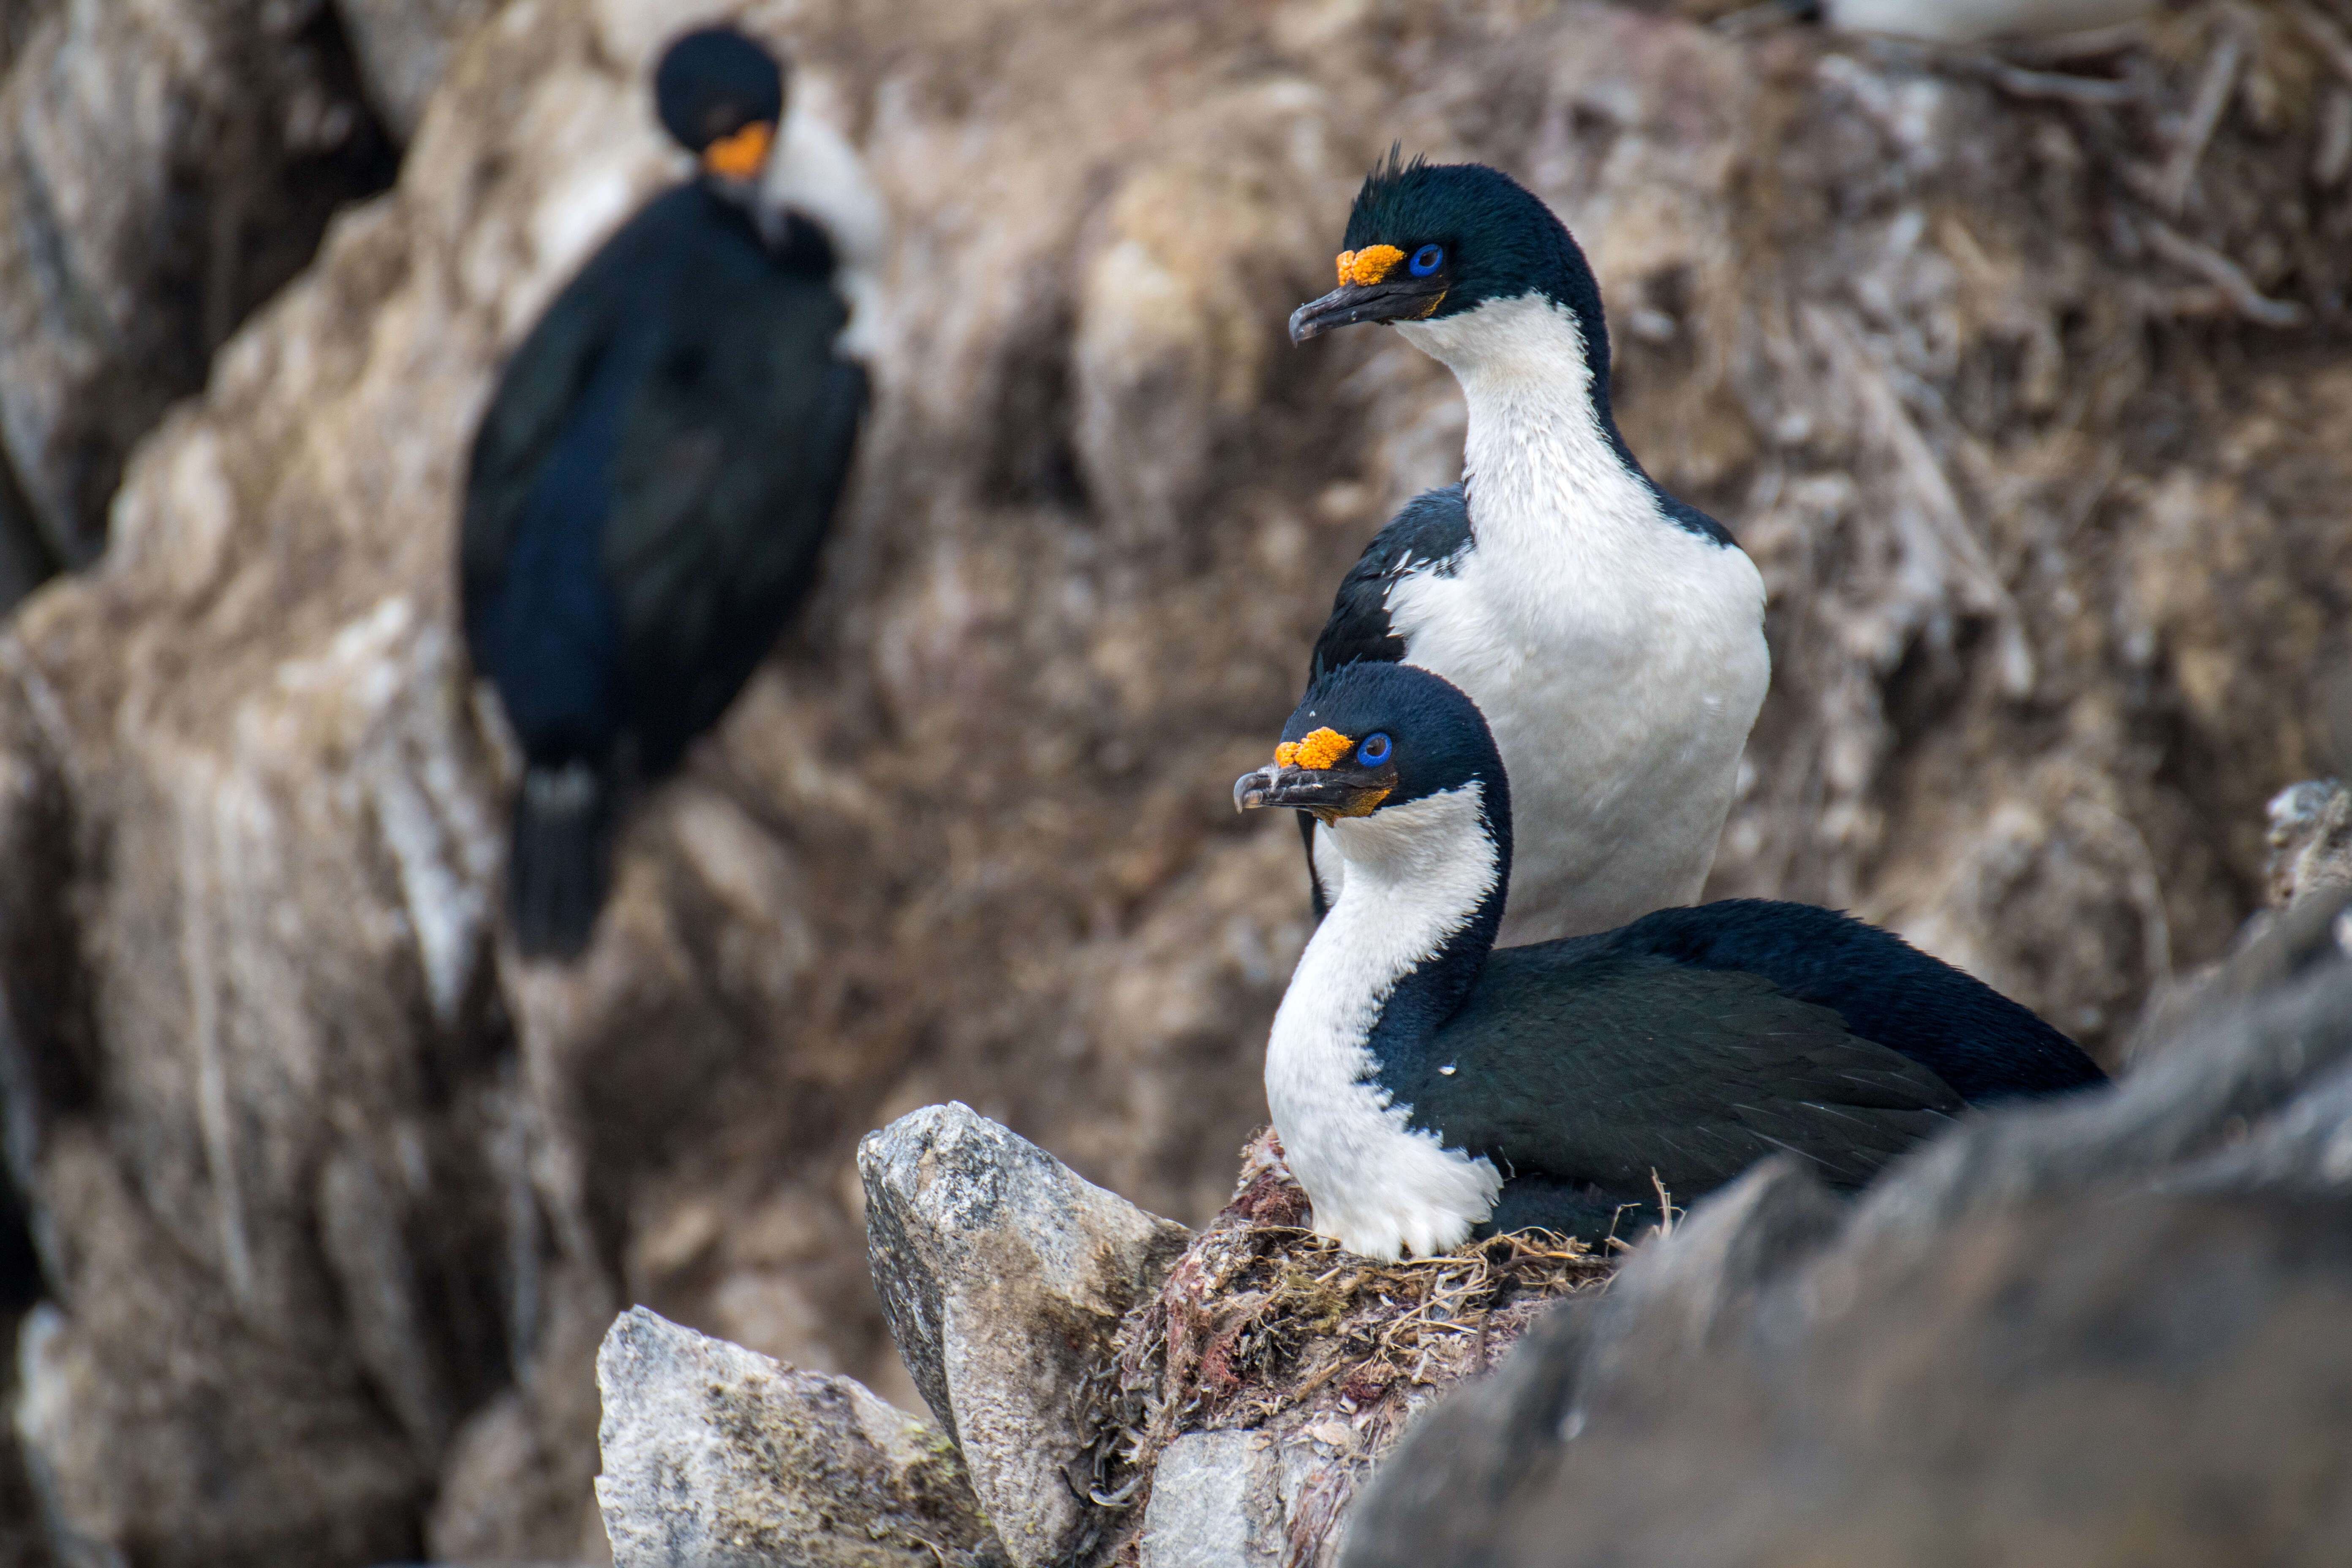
[2053, 532]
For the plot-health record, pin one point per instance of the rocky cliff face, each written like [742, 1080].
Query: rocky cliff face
[2005, 369]
[168, 168]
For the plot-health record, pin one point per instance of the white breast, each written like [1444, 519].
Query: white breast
[816, 172]
[1416, 874]
[1619, 658]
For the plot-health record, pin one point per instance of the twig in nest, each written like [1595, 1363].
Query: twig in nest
[2224, 274]
[2331, 156]
[2058, 86]
[2213, 89]
[2333, 45]
[1750, 19]
[2091, 43]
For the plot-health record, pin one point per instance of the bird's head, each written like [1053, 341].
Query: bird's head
[1371, 741]
[722, 94]
[1428, 242]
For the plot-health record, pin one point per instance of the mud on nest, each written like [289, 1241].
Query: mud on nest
[1262, 1324]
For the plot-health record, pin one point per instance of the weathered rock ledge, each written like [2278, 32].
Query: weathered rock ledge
[1109, 1386]
[716, 1456]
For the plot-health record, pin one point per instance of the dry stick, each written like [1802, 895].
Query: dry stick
[1934, 524]
[2223, 274]
[2056, 87]
[2089, 44]
[2333, 45]
[2331, 156]
[2214, 90]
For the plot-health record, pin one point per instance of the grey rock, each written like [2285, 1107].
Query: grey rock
[402, 46]
[1214, 1504]
[2310, 839]
[2139, 1291]
[718, 1458]
[170, 166]
[306, 1475]
[1003, 1274]
[495, 1503]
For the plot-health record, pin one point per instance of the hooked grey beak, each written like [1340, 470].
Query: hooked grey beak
[1328, 792]
[1401, 300]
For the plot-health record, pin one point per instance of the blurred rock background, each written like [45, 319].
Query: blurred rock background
[2020, 371]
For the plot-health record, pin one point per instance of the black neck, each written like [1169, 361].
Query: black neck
[1406, 1021]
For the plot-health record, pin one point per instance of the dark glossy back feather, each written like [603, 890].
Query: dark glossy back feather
[1600, 1068]
[1970, 1036]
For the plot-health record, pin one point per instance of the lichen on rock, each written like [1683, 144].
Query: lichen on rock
[715, 1456]
[1003, 1274]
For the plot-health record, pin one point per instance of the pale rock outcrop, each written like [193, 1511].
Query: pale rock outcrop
[717, 1458]
[168, 166]
[1004, 1275]
[2310, 839]
[1214, 1504]
[403, 47]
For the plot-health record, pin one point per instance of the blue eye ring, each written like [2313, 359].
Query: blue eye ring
[1426, 260]
[1374, 751]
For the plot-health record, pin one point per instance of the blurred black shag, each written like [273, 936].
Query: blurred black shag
[651, 484]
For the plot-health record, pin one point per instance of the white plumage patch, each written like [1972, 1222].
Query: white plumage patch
[816, 172]
[1416, 873]
[1617, 656]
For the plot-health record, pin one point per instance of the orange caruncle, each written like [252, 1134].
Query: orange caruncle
[1369, 266]
[1320, 749]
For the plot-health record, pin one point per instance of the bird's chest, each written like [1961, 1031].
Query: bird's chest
[1620, 668]
[1379, 1185]
[1582, 642]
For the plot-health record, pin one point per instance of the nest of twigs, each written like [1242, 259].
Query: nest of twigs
[1264, 1325]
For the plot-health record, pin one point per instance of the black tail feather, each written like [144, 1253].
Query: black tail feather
[560, 865]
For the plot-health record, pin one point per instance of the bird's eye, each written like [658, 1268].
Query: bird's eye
[1427, 259]
[1373, 751]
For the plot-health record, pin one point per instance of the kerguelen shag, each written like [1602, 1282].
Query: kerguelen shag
[1426, 1083]
[660, 465]
[1613, 636]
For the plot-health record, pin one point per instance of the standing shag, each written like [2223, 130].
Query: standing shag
[1426, 1083]
[652, 481]
[1613, 636]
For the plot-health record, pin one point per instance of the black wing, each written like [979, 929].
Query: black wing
[1430, 533]
[725, 482]
[1590, 1069]
[541, 390]
[1976, 1039]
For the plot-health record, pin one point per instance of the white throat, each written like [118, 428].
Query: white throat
[1416, 876]
[1618, 656]
[1535, 454]
[816, 172]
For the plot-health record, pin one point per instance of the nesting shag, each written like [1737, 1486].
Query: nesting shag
[653, 479]
[1426, 1083]
[1612, 635]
